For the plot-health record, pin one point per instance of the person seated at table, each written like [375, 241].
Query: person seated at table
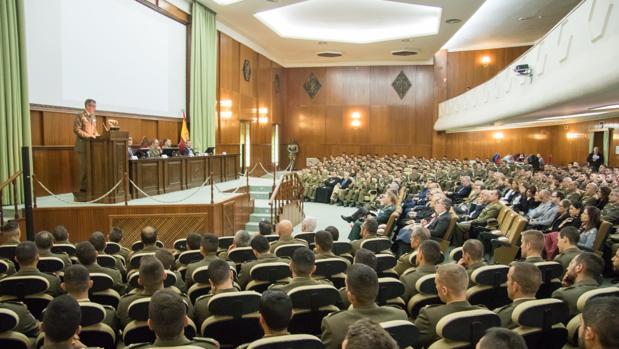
[186, 148]
[154, 150]
[167, 143]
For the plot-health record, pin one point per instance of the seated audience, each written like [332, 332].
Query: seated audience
[116, 235]
[265, 227]
[260, 247]
[387, 207]
[167, 259]
[28, 324]
[590, 218]
[77, 283]
[428, 257]
[193, 241]
[532, 246]
[148, 236]
[324, 246]
[208, 249]
[563, 215]
[451, 284]
[241, 239]
[610, 212]
[523, 281]
[275, 313]
[418, 236]
[497, 337]
[472, 256]
[61, 324]
[167, 317]
[568, 246]
[44, 241]
[362, 290]
[308, 225]
[367, 257]
[87, 256]
[542, 216]
[369, 230]
[154, 150]
[598, 329]
[284, 230]
[9, 236]
[302, 266]
[335, 233]
[97, 239]
[367, 334]
[464, 230]
[582, 275]
[528, 202]
[27, 256]
[61, 235]
[220, 278]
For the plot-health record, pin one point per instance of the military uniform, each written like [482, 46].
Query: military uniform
[534, 259]
[122, 311]
[119, 263]
[356, 244]
[471, 268]
[430, 315]
[570, 294]
[505, 312]
[300, 281]
[54, 283]
[114, 274]
[110, 314]
[84, 127]
[63, 256]
[12, 242]
[410, 280]
[244, 276]
[147, 249]
[201, 312]
[179, 341]
[610, 213]
[328, 255]
[462, 229]
[588, 200]
[286, 241]
[27, 324]
[335, 325]
[403, 263]
[211, 256]
[565, 257]
[124, 253]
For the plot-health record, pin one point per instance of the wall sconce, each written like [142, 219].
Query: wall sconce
[263, 120]
[355, 123]
[485, 60]
[226, 103]
[356, 115]
[572, 135]
[498, 135]
[263, 111]
[226, 114]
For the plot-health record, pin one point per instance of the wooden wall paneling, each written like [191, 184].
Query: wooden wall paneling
[423, 126]
[149, 127]
[170, 227]
[168, 129]
[248, 88]
[440, 94]
[134, 127]
[36, 125]
[56, 167]
[229, 73]
[58, 128]
[228, 213]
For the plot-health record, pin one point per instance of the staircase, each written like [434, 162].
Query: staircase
[260, 195]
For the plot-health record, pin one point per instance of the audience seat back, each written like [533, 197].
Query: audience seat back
[27, 289]
[188, 257]
[9, 338]
[330, 266]
[264, 274]
[341, 247]
[389, 292]
[50, 265]
[491, 290]
[225, 242]
[446, 240]
[272, 237]
[574, 323]
[112, 248]
[307, 236]
[180, 244]
[106, 261]
[4, 267]
[385, 262]
[376, 245]
[464, 328]
[94, 333]
[241, 255]
[286, 251]
[139, 245]
[541, 323]
[8, 252]
[311, 304]
[134, 262]
[427, 295]
[601, 236]
[404, 332]
[64, 248]
[297, 341]
[551, 278]
[509, 245]
[393, 218]
[455, 254]
[230, 312]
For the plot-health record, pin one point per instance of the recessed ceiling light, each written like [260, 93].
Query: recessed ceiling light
[528, 18]
[453, 21]
[570, 116]
[606, 107]
[226, 2]
[405, 52]
[329, 54]
[352, 21]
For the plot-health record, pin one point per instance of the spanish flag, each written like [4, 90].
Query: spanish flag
[184, 133]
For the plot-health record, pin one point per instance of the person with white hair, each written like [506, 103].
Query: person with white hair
[309, 224]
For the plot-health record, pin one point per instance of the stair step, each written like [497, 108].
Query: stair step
[260, 188]
[262, 210]
[259, 195]
[251, 227]
[257, 217]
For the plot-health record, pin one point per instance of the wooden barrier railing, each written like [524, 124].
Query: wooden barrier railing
[13, 189]
[286, 200]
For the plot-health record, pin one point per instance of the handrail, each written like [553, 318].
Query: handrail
[287, 199]
[11, 180]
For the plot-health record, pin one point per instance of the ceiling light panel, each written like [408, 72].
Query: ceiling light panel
[352, 21]
[226, 2]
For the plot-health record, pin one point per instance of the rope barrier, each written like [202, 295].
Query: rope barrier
[78, 202]
[173, 201]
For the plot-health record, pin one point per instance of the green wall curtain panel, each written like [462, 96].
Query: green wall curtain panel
[14, 107]
[202, 90]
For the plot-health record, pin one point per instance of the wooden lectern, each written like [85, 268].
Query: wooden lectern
[106, 164]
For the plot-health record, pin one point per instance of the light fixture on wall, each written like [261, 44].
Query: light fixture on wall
[225, 108]
[573, 135]
[226, 103]
[356, 119]
[356, 115]
[356, 123]
[498, 135]
[226, 114]
[485, 60]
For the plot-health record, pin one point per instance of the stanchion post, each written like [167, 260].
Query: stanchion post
[247, 179]
[15, 198]
[212, 189]
[126, 180]
[274, 175]
[27, 176]
[34, 195]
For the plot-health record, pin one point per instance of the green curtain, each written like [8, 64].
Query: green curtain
[14, 107]
[202, 91]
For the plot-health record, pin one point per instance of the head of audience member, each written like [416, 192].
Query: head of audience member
[97, 239]
[193, 241]
[61, 322]
[61, 234]
[590, 217]
[613, 197]
[545, 195]
[154, 144]
[498, 337]
[568, 238]
[284, 229]
[324, 241]
[309, 224]
[531, 192]
[389, 198]
[115, 235]
[260, 245]
[451, 282]
[472, 252]
[9, 232]
[598, 329]
[219, 275]
[26, 254]
[149, 235]
[275, 309]
[209, 244]
[615, 261]
[585, 266]
[429, 253]
[591, 189]
[167, 314]
[443, 204]
[166, 258]
[523, 280]
[129, 142]
[493, 196]
[557, 198]
[265, 227]
[367, 334]
[564, 207]
[531, 243]
[151, 273]
[419, 235]
[76, 281]
[302, 263]
[86, 253]
[361, 285]
[369, 227]
[575, 209]
[367, 257]
[44, 240]
[334, 232]
[241, 239]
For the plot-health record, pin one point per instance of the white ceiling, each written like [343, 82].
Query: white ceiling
[238, 20]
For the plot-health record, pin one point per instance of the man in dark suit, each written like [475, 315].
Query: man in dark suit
[595, 159]
[463, 190]
[440, 222]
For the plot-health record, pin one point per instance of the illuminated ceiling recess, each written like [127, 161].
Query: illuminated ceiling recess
[226, 2]
[352, 21]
